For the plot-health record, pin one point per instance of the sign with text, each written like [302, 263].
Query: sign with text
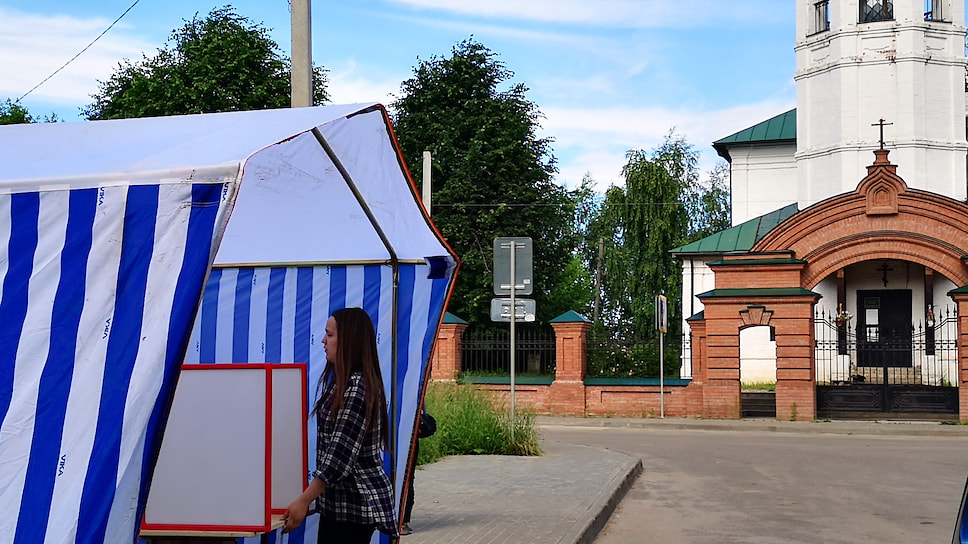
[523, 268]
[501, 309]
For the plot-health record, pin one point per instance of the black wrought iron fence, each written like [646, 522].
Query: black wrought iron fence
[628, 355]
[487, 353]
[925, 354]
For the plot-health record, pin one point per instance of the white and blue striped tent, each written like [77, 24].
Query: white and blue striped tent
[108, 234]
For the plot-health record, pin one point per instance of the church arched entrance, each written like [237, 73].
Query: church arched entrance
[847, 285]
[889, 348]
[883, 260]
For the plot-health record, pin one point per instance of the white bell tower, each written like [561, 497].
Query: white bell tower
[860, 61]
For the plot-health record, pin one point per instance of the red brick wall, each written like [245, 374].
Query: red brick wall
[446, 357]
[881, 219]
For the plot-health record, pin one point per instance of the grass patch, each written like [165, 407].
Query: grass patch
[471, 422]
[759, 386]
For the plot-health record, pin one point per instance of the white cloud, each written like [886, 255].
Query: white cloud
[33, 46]
[596, 140]
[613, 13]
[348, 84]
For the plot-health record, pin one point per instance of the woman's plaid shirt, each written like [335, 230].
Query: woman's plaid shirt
[349, 458]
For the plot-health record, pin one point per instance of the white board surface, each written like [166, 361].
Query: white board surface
[288, 475]
[211, 469]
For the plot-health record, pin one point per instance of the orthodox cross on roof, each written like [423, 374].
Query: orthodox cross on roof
[881, 123]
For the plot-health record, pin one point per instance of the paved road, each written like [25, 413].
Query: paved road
[752, 487]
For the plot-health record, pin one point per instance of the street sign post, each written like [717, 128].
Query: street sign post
[513, 275]
[661, 323]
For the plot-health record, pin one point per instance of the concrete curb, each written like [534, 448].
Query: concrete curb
[877, 427]
[612, 494]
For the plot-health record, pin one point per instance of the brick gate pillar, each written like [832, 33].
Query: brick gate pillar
[796, 375]
[445, 363]
[568, 390]
[961, 299]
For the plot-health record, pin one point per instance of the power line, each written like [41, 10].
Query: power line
[538, 205]
[34, 88]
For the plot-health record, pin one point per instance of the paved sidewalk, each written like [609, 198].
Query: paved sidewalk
[567, 495]
[564, 496]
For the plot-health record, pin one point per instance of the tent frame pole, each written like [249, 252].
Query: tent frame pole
[395, 266]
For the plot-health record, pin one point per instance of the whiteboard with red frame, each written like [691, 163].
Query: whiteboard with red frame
[234, 451]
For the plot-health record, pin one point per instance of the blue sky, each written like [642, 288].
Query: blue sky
[608, 75]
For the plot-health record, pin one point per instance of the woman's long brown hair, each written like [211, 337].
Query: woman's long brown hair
[356, 351]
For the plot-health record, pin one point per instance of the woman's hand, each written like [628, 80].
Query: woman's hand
[299, 509]
[295, 514]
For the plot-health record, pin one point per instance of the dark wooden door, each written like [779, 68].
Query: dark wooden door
[884, 328]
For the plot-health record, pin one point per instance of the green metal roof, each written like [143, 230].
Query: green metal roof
[452, 319]
[778, 260]
[571, 316]
[781, 127]
[757, 292]
[741, 237]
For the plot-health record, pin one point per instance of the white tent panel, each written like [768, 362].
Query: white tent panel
[134, 146]
[295, 205]
[366, 143]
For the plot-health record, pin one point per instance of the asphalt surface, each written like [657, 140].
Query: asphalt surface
[567, 495]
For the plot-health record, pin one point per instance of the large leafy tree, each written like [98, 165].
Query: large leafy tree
[708, 203]
[663, 205]
[221, 62]
[656, 221]
[492, 176]
[12, 113]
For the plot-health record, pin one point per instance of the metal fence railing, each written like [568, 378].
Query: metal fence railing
[925, 354]
[486, 353]
[627, 355]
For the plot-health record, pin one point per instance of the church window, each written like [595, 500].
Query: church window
[876, 10]
[933, 10]
[821, 16]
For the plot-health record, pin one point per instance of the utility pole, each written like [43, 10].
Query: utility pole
[598, 279]
[425, 186]
[302, 54]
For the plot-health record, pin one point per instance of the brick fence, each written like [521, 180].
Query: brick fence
[570, 392]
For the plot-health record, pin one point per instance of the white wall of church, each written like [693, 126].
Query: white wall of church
[757, 356]
[697, 278]
[907, 71]
[763, 178]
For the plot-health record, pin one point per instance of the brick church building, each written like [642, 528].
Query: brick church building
[844, 277]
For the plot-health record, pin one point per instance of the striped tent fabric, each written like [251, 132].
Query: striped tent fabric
[100, 286]
[110, 228]
[277, 315]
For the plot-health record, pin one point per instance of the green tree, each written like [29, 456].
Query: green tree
[656, 221]
[605, 252]
[222, 62]
[12, 113]
[663, 205]
[708, 204]
[492, 176]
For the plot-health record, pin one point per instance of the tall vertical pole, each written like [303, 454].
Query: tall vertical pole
[302, 54]
[598, 279]
[425, 185]
[661, 376]
[514, 247]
